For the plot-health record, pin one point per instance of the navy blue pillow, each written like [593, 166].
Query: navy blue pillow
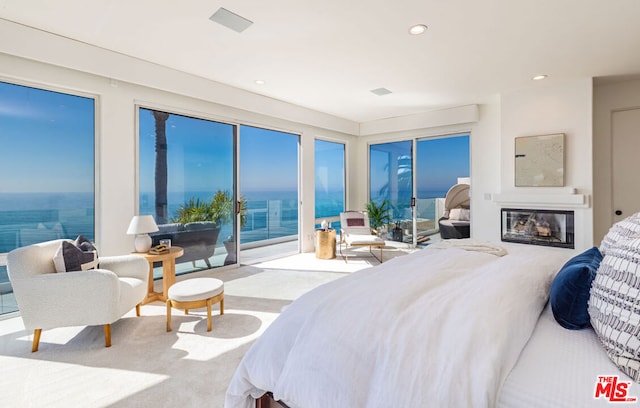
[569, 296]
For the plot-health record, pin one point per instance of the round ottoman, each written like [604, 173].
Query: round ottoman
[195, 293]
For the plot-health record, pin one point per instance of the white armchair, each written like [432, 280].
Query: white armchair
[47, 299]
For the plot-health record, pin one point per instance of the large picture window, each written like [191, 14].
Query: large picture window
[48, 183]
[414, 188]
[186, 182]
[269, 184]
[329, 180]
[391, 177]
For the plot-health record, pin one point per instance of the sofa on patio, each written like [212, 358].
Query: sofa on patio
[198, 239]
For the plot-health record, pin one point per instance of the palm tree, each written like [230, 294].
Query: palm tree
[161, 166]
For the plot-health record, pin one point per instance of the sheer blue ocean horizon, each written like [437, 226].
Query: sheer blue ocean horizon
[24, 217]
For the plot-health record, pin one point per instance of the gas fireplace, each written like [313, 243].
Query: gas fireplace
[538, 227]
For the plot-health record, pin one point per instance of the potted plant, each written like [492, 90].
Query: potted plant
[225, 209]
[378, 214]
[220, 208]
[192, 211]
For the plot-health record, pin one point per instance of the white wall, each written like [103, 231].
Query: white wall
[553, 107]
[607, 98]
[486, 174]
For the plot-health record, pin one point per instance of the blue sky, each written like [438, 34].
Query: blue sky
[47, 141]
[200, 156]
[329, 166]
[269, 160]
[440, 162]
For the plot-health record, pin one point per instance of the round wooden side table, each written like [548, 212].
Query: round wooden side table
[168, 260]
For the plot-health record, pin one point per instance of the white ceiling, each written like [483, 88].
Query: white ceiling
[327, 55]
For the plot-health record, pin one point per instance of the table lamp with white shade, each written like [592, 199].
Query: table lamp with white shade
[141, 225]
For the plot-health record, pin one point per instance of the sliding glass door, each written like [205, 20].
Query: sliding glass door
[391, 181]
[187, 182]
[412, 177]
[269, 193]
[440, 164]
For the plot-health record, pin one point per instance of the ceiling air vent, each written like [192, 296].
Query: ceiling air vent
[230, 20]
[381, 91]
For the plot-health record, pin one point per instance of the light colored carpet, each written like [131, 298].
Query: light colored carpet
[149, 367]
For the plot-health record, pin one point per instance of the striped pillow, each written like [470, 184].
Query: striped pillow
[614, 305]
[627, 228]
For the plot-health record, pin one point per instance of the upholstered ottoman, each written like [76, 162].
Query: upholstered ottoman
[195, 293]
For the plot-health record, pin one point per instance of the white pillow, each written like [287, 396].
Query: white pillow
[613, 305]
[460, 214]
[627, 228]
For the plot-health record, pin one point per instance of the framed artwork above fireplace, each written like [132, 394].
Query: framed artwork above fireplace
[538, 227]
[539, 161]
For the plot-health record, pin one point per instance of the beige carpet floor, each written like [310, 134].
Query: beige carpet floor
[149, 367]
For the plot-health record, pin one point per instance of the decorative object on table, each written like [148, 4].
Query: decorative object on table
[159, 249]
[325, 225]
[48, 300]
[141, 226]
[166, 242]
[397, 233]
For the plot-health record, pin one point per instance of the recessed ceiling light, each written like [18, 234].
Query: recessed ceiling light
[417, 29]
[539, 77]
[260, 82]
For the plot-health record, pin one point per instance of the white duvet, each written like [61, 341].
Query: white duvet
[440, 327]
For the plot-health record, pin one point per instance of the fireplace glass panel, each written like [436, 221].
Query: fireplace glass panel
[538, 227]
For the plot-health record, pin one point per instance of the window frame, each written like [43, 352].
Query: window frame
[336, 218]
[97, 224]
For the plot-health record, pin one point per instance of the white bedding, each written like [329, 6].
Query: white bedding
[440, 327]
[559, 368]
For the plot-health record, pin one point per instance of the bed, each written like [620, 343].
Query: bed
[461, 324]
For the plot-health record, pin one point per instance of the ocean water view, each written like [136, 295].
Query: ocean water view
[26, 218]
